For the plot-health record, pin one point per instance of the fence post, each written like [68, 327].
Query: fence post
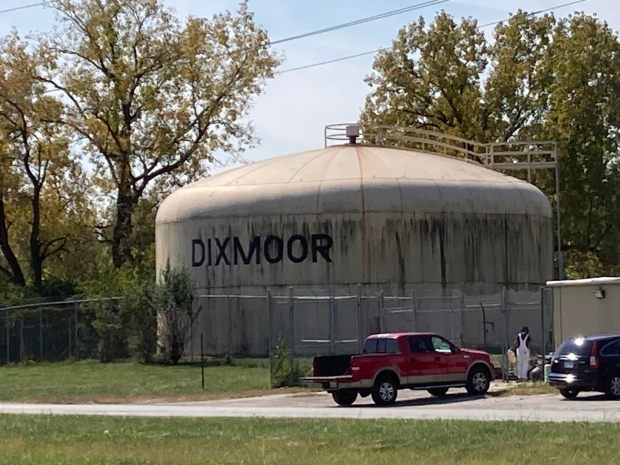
[380, 304]
[202, 360]
[75, 328]
[70, 331]
[414, 316]
[291, 314]
[8, 338]
[268, 302]
[40, 334]
[111, 335]
[484, 325]
[504, 334]
[461, 319]
[360, 330]
[191, 343]
[543, 348]
[22, 343]
[332, 322]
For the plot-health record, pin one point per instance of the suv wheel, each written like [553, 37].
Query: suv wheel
[385, 390]
[613, 386]
[569, 393]
[478, 381]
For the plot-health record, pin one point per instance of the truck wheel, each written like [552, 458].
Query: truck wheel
[438, 392]
[613, 387]
[478, 381]
[385, 390]
[569, 393]
[344, 396]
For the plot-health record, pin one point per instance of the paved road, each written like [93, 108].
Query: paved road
[410, 405]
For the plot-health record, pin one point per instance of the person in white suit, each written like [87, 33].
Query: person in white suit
[522, 348]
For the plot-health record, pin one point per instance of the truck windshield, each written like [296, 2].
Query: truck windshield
[380, 346]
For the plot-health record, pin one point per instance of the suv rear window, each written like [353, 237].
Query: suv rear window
[578, 346]
[380, 346]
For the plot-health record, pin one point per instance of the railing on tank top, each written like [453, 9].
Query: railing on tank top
[526, 155]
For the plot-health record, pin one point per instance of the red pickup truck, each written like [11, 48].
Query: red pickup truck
[394, 361]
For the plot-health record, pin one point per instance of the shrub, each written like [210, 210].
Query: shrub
[174, 299]
[284, 371]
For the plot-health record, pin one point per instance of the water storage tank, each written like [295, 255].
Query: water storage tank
[389, 219]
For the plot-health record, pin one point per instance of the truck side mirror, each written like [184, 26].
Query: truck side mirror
[455, 349]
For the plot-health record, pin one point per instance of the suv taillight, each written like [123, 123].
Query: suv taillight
[593, 355]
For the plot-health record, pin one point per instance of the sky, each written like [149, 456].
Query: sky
[291, 114]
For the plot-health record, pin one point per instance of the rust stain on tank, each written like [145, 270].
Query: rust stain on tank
[365, 246]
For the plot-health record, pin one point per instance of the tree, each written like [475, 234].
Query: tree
[8, 185]
[541, 78]
[583, 118]
[34, 156]
[150, 97]
[430, 78]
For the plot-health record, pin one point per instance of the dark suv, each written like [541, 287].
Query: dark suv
[587, 364]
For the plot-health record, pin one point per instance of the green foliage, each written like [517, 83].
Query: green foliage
[430, 78]
[284, 370]
[582, 265]
[174, 300]
[123, 113]
[127, 68]
[124, 322]
[541, 78]
[12, 294]
[141, 317]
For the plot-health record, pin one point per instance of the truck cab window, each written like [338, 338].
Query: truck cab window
[391, 346]
[419, 344]
[380, 346]
[370, 347]
[441, 345]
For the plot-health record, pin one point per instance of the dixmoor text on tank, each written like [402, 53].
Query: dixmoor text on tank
[220, 251]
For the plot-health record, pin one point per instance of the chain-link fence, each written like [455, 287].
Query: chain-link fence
[321, 325]
[305, 323]
[298, 324]
[53, 331]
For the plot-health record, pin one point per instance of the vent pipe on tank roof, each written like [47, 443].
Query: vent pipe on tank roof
[353, 132]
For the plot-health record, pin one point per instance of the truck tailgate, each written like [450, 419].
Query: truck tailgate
[327, 382]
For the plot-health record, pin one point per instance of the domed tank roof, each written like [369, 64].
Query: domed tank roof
[354, 178]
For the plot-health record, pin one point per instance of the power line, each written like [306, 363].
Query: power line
[356, 22]
[23, 7]
[335, 60]
[357, 55]
[533, 13]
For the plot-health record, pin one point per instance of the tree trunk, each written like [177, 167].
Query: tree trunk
[36, 260]
[121, 234]
[17, 276]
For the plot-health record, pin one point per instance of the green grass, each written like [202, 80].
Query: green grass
[58, 440]
[91, 381]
